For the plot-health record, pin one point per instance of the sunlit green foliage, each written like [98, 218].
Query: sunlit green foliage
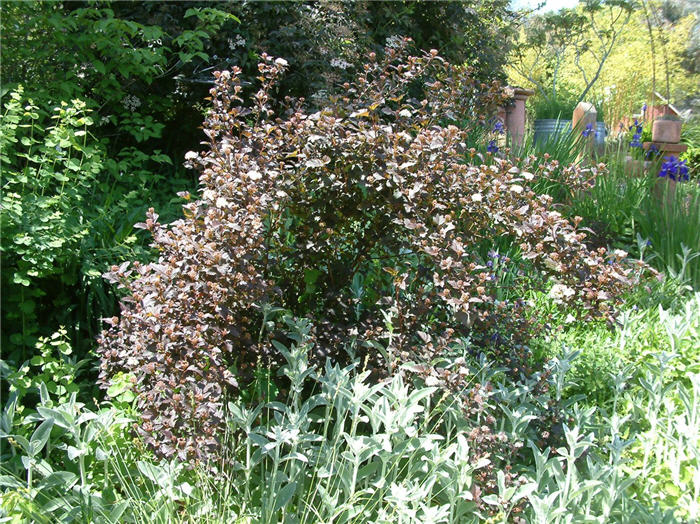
[561, 54]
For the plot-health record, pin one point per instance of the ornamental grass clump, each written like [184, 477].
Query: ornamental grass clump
[370, 215]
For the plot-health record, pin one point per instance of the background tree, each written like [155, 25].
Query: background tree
[627, 80]
[542, 48]
[614, 67]
[118, 71]
[584, 36]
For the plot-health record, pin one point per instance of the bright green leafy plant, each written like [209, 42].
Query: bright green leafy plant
[49, 171]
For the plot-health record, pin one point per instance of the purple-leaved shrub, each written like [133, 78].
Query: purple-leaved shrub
[293, 206]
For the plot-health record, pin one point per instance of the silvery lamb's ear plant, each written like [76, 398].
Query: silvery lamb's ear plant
[667, 450]
[574, 482]
[341, 449]
[638, 462]
[344, 450]
[51, 471]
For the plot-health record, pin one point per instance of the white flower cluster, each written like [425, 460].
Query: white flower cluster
[394, 41]
[340, 63]
[238, 42]
[560, 292]
[131, 102]
[320, 96]
[81, 71]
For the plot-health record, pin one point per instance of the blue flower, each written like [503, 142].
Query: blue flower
[653, 151]
[674, 169]
[586, 132]
[644, 108]
[638, 126]
[498, 127]
[635, 140]
[492, 147]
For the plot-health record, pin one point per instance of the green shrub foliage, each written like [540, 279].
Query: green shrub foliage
[371, 205]
[49, 168]
[95, 105]
[326, 43]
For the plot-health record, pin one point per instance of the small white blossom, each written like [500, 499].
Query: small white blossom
[131, 102]
[319, 96]
[238, 42]
[394, 41]
[340, 63]
[560, 291]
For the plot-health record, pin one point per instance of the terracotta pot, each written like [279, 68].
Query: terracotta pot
[668, 131]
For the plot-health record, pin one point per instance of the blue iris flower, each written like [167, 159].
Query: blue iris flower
[586, 132]
[498, 127]
[636, 140]
[637, 125]
[674, 169]
[492, 147]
